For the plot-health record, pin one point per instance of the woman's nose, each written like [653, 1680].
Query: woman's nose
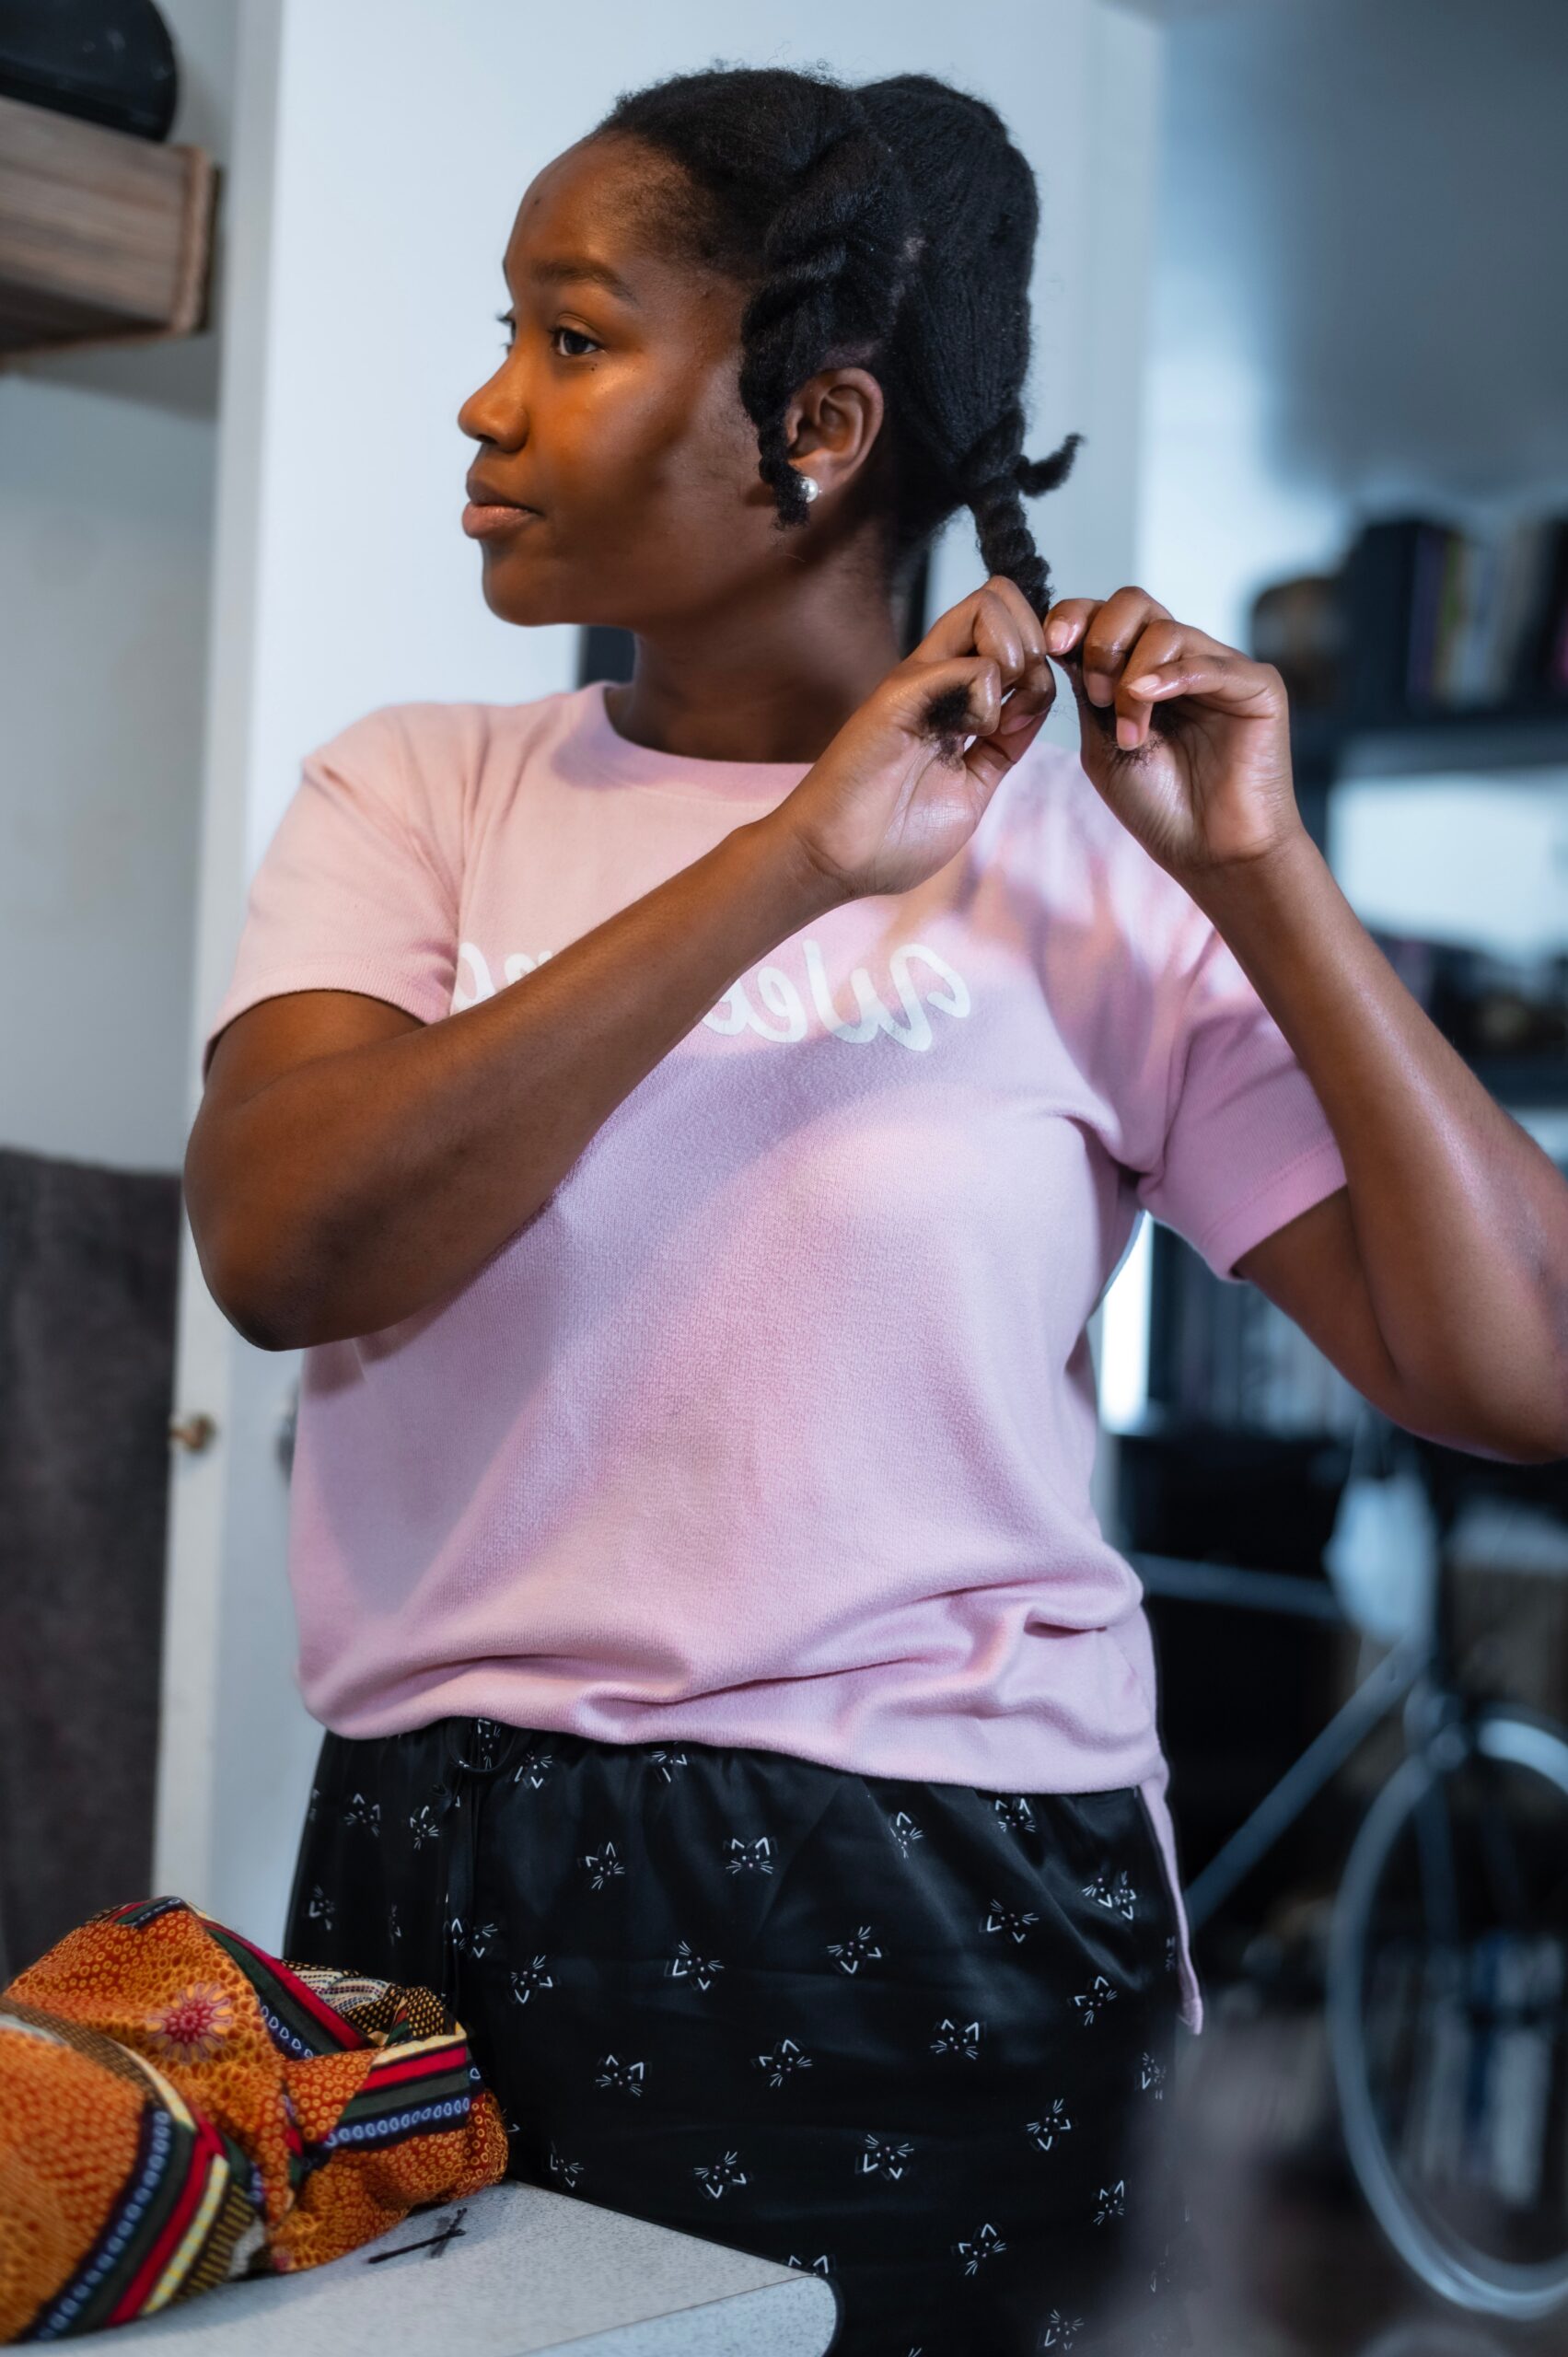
[491, 415]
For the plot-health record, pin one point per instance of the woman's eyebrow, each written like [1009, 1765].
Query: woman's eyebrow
[569, 267]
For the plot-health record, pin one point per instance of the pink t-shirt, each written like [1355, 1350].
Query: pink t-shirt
[775, 1426]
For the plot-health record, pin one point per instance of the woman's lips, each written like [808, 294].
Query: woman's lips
[481, 522]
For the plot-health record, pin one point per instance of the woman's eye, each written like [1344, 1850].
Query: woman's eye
[507, 320]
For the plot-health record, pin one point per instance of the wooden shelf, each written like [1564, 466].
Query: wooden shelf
[104, 237]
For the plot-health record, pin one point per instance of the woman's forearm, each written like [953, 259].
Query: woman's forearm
[1460, 1218]
[363, 1186]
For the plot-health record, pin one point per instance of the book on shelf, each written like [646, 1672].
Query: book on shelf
[1425, 618]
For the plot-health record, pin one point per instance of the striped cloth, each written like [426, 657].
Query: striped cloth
[178, 2107]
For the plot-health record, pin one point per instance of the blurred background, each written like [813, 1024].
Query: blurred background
[1299, 285]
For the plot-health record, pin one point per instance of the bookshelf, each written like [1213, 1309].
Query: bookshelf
[1231, 1381]
[1223, 1357]
[1433, 655]
[1408, 670]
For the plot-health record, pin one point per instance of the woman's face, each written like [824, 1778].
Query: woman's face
[614, 415]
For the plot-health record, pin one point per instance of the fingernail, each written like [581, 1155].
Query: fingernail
[1126, 732]
[1145, 686]
[1097, 687]
[1057, 634]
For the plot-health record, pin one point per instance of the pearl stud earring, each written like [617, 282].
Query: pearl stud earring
[810, 486]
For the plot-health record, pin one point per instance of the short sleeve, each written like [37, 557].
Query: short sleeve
[356, 889]
[1247, 1147]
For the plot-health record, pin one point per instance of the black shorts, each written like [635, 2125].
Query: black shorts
[915, 2038]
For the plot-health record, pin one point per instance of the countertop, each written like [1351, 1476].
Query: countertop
[512, 2271]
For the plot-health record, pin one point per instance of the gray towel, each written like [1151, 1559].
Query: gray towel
[88, 1272]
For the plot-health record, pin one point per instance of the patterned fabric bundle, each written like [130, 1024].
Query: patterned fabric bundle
[178, 2107]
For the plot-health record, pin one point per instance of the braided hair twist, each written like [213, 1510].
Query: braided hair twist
[889, 225]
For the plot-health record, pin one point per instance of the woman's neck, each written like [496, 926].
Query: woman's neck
[745, 686]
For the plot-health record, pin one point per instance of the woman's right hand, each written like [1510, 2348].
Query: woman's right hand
[896, 795]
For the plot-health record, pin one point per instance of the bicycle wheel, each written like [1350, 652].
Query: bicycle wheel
[1448, 2012]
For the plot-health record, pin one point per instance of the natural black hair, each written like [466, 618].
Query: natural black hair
[889, 225]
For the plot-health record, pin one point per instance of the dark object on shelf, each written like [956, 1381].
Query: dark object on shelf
[88, 1265]
[1491, 1006]
[1505, 1015]
[604, 653]
[1425, 624]
[1298, 626]
[1377, 590]
[1227, 1356]
[1438, 620]
[104, 61]
[919, 618]
[1546, 645]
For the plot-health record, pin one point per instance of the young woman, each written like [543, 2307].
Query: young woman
[687, 1127]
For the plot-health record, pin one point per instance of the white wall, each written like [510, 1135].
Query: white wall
[1363, 214]
[106, 514]
[375, 183]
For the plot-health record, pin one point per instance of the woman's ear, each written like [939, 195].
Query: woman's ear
[834, 418]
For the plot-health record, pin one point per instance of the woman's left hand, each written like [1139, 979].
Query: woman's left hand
[1187, 740]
